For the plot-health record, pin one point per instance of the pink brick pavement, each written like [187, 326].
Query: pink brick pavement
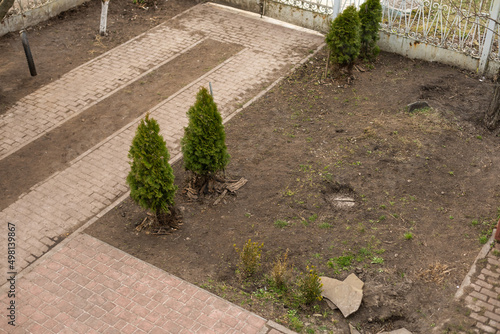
[483, 294]
[83, 285]
[94, 180]
[88, 286]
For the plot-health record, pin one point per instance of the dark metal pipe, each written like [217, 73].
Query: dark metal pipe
[27, 52]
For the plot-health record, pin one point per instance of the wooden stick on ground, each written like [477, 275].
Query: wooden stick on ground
[237, 185]
[141, 225]
[327, 62]
[217, 201]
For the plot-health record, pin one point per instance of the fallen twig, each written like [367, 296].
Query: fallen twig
[217, 201]
[237, 185]
[141, 225]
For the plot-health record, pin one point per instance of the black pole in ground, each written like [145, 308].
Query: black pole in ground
[27, 51]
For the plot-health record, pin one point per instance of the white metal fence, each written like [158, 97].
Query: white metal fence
[26, 13]
[460, 25]
[21, 6]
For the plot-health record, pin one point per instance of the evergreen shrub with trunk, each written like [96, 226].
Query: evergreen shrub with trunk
[343, 39]
[204, 141]
[151, 178]
[370, 15]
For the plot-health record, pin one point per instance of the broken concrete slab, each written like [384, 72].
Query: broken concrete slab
[346, 295]
[398, 331]
[353, 330]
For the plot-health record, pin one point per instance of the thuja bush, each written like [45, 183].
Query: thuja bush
[249, 258]
[343, 39]
[370, 15]
[151, 178]
[204, 141]
[309, 286]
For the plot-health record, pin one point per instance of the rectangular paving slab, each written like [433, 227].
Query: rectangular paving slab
[88, 286]
[68, 199]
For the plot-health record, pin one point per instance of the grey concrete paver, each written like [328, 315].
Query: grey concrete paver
[95, 179]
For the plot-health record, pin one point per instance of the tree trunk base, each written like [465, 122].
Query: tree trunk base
[492, 116]
[161, 223]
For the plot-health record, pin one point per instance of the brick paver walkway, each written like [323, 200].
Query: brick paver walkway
[88, 286]
[83, 285]
[95, 179]
[482, 296]
[269, 46]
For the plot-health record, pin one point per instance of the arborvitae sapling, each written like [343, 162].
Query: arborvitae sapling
[343, 39]
[204, 141]
[151, 178]
[370, 15]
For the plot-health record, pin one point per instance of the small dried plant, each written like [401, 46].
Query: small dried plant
[250, 256]
[281, 271]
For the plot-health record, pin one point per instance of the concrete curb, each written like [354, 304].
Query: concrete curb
[278, 327]
[173, 160]
[482, 254]
[262, 93]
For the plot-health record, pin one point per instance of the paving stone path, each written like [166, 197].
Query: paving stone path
[95, 179]
[88, 286]
[82, 285]
[482, 296]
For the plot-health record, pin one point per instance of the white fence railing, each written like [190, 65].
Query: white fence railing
[26, 13]
[21, 6]
[459, 25]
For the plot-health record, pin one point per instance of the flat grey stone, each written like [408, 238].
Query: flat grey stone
[328, 286]
[347, 298]
[345, 295]
[330, 304]
[354, 281]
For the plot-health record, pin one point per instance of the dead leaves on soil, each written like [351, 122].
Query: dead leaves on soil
[436, 273]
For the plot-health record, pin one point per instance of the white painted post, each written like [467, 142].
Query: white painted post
[104, 17]
[490, 35]
[336, 8]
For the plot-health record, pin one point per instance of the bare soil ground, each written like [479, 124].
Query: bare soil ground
[425, 190]
[425, 185]
[71, 39]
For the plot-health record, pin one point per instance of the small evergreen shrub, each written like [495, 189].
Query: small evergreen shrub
[343, 39]
[310, 286]
[370, 15]
[151, 178]
[250, 256]
[204, 141]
